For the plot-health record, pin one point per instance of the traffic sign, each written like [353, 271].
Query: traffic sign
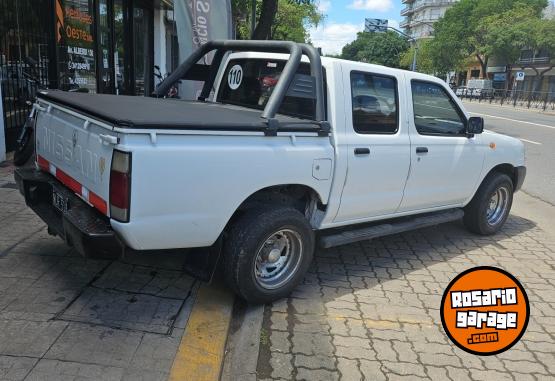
[375, 25]
[519, 76]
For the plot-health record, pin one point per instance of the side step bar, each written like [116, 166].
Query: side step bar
[367, 233]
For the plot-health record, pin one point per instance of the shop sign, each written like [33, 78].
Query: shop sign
[75, 44]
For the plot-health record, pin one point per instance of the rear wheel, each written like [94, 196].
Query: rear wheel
[489, 209]
[25, 148]
[267, 251]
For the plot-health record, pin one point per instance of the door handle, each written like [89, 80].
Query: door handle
[421, 149]
[362, 151]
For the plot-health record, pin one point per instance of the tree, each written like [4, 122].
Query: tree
[462, 32]
[507, 33]
[276, 19]
[378, 48]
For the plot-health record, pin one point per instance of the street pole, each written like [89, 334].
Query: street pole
[253, 18]
[2, 131]
[414, 57]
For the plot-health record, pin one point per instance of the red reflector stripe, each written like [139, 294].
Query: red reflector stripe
[43, 163]
[74, 185]
[98, 203]
[68, 181]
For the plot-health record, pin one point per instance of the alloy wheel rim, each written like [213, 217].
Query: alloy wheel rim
[278, 259]
[497, 205]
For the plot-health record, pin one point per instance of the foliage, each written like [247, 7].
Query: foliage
[293, 21]
[424, 62]
[378, 48]
[509, 32]
[276, 19]
[463, 31]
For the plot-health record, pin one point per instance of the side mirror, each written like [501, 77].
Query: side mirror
[475, 125]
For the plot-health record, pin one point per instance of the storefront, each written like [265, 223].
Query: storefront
[97, 46]
[106, 46]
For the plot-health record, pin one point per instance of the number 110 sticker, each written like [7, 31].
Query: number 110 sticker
[234, 77]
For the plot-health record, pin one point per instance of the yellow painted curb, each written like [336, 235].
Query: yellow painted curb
[201, 352]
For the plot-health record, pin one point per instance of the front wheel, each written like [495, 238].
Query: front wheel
[267, 251]
[489, 209]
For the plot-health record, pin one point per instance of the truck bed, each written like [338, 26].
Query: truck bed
[152, 113]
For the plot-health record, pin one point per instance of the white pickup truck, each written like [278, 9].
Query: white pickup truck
[282, 151]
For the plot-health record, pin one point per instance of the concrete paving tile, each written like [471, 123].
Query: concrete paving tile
[82, 343]
[28, 338]
[15, 368]
[124, 310]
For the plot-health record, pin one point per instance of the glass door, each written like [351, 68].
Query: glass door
[143, 60]
[105, 63]
[121, 60]
[125, 47]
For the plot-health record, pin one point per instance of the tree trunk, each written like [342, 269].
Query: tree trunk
[268, 12]
[540, 76]
[484, 65]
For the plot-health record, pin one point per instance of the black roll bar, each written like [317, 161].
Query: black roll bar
[295, 51]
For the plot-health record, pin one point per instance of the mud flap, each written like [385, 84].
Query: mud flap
[202, 262]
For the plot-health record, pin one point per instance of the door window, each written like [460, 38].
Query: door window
[435, 112]
[374, 103]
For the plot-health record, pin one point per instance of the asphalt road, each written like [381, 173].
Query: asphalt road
[537, 131]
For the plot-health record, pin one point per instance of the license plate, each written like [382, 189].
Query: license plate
[59, 201]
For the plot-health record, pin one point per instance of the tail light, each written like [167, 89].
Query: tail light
[120, 186]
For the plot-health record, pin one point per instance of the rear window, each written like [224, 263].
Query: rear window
[249, 83]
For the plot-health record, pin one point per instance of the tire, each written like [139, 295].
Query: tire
[479, 215]
[280, 234]
[24, 151]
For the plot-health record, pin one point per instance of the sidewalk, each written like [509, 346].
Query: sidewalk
[548, 111]
[371, 310]
[64, 317]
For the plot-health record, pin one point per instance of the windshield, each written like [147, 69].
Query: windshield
[249, 82]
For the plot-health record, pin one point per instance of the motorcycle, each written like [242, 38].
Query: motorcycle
[173, 92]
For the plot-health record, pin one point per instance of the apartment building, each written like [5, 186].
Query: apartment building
[420, 15]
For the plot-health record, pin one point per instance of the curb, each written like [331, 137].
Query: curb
[201, 351]
[242, 348]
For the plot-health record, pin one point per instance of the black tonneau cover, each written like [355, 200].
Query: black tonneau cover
[154, 113]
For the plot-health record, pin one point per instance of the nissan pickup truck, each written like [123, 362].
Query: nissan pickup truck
[282, 151]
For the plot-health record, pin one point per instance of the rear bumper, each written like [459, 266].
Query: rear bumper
[520, 174]
[82, 226]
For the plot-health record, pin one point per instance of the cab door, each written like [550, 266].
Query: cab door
[446, 162]
[377, 144]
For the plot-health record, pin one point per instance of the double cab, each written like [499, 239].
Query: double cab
[282, 151]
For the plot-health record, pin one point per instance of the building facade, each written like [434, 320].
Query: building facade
[123, 47]
[420, 15]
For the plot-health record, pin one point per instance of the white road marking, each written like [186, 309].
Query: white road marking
[530, 141]
[512, 120]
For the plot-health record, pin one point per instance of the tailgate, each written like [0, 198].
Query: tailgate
[76, 150]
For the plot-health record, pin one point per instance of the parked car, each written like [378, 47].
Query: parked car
[481, 88]
[462, 91]
[337, 152]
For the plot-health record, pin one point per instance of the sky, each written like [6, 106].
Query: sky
[344, 18]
